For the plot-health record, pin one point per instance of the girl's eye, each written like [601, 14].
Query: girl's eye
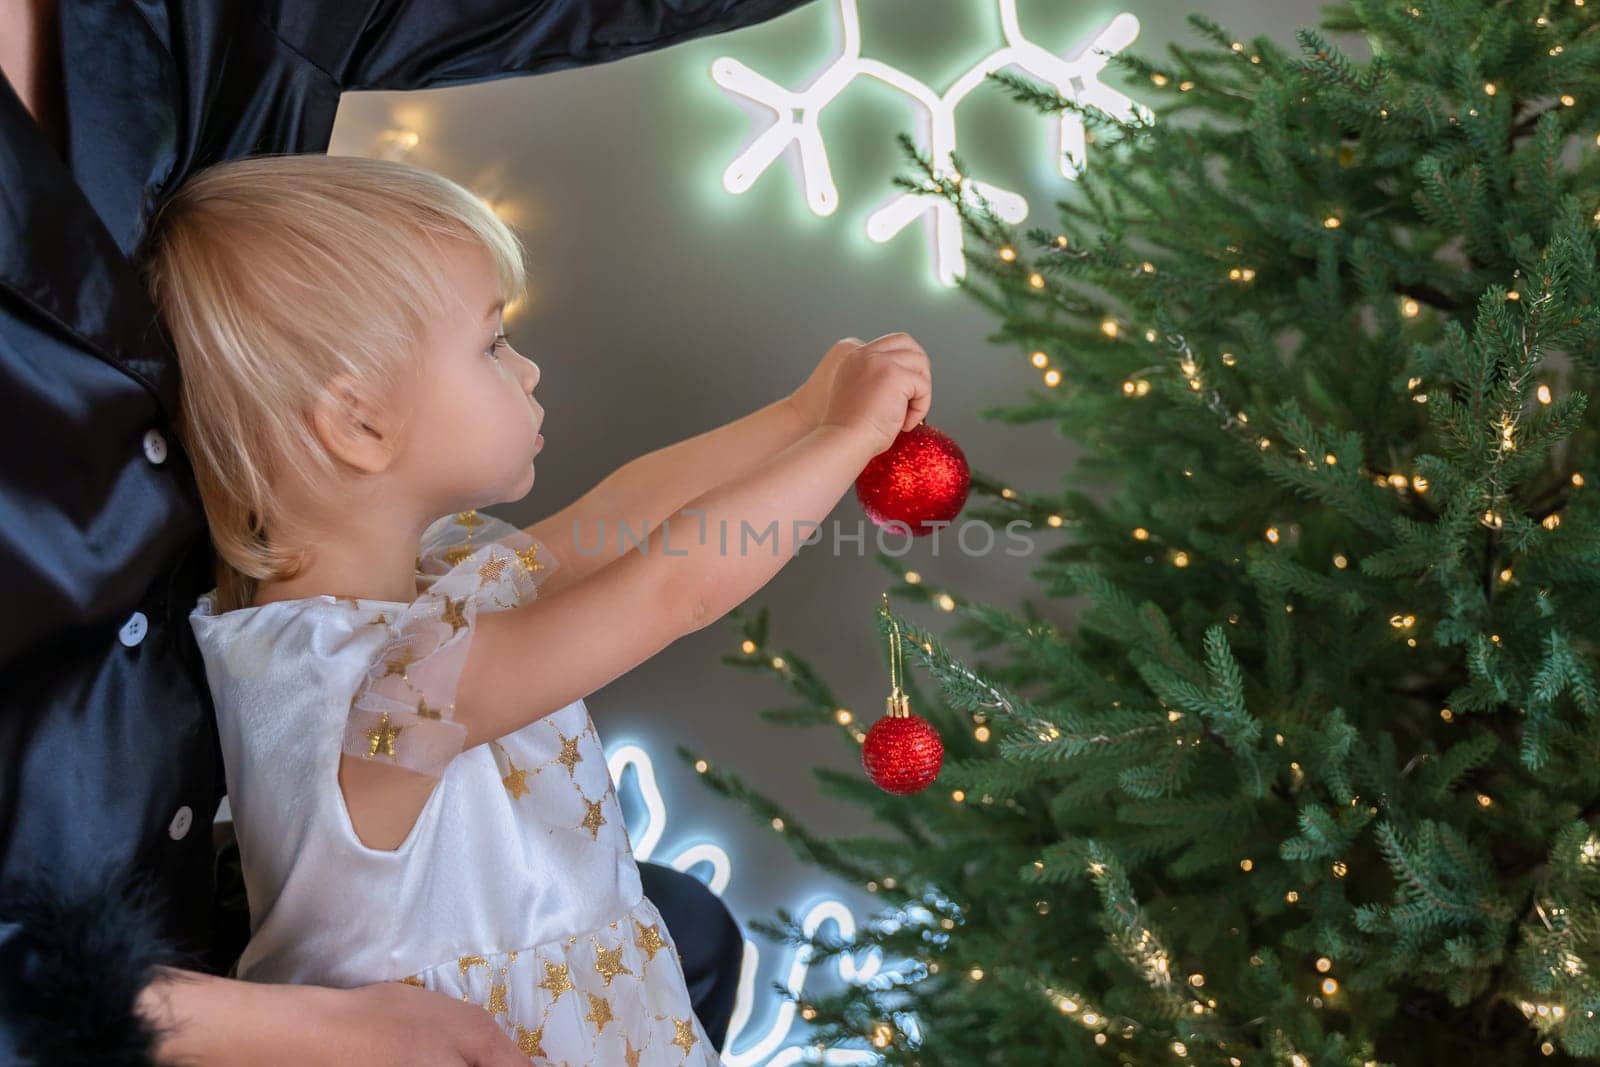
[499, 339]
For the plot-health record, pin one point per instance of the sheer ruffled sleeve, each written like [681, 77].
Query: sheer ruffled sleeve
[453, 538]
[403, 709]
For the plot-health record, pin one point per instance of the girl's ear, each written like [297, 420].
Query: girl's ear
[353, 428]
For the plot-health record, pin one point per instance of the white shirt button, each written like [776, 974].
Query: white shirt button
[155, 446]
[134, 629]
[180, 823]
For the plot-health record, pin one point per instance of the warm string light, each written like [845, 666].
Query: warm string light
[1491, 517]
[398, 142]
[842, 716]
[1074, 1004]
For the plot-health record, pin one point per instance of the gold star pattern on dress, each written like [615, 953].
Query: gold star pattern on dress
[415, 980]
[382, 736]
[632, 1054]
[593, 819]
[424, 711]
[470, 519]
[599, 1011]
[516, 782]
[530, 1042]
[649, 937]
[570, 756]
[497, 998]
[556, 980]
[608, 963]
[399, 663]
[455, 614]
[686, 1035]
[456, 553]
[467, 962]
[493, 569]
[529, 558]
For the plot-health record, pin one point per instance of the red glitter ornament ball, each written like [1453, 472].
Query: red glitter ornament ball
[923, 477]
[902, 753]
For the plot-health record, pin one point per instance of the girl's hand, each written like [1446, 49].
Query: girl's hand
[883, 388]
[811, 399]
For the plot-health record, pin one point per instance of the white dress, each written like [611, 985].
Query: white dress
[516, 889]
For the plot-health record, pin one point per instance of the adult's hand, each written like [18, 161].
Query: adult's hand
[209, 1020]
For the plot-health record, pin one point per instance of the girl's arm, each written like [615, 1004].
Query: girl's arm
[640, 494]
[525, 662]
[643, 492]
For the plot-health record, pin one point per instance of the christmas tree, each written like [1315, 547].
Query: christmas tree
[1313, 777]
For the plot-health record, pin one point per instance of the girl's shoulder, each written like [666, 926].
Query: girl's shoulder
[464, 552]
[388, 669]
[467, 562]
[402, 709]
[470, 552]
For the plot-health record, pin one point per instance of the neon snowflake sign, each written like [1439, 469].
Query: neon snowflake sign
[798, 113]
[768, 1049]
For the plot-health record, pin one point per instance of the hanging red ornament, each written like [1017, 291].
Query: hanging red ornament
[902, 752]
[922, 478]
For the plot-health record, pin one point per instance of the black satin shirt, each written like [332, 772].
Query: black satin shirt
[108, 749]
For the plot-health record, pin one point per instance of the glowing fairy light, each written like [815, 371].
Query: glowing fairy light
[797, 115]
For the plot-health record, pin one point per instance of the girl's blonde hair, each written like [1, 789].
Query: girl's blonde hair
[274, 275]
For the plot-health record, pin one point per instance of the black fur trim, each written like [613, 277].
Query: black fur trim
[74, 954]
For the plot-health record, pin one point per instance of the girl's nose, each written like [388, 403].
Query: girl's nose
[529, 372]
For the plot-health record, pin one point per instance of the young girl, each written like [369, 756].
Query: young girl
[418, 790]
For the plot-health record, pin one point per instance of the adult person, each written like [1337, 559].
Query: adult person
[112, 940]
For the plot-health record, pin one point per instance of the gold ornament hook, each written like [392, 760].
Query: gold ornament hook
[898, 703]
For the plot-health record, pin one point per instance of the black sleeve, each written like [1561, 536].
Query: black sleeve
[75, 952]
[416, 44]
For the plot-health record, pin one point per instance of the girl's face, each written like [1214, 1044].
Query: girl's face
[473, 431]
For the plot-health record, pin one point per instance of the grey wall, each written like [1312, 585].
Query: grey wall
[662, 306]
